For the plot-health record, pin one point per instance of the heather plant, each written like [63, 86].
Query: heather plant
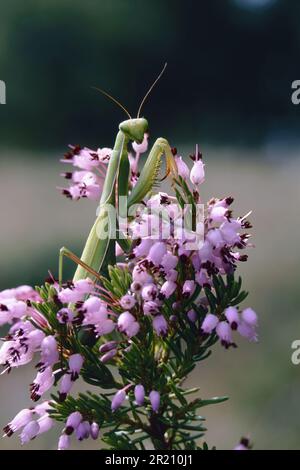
[154, 292]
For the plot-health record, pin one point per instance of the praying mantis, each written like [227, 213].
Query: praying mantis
[97, 250]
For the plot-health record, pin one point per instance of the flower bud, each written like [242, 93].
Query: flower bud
[192, 316]
[160, 325]
[108, 356]
[118, 400]
[139, 393]
[182, 168]
[197, 174]
[95, 430]
[104, 348]
[154, 398]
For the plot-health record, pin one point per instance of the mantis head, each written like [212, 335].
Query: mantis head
[134, 129]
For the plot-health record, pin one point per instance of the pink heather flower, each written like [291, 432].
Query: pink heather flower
[218, 214]
[65, 316]
[49, 352]
[150, 307]
[104, 327]
[127, 324]
[169, 262]
[205, 252]
[109, 355]
[202, 279]
[69, 295]
[127, 302]
[83, 430]
[118, 400]
[45, 424]
[140, 275]
[30, 431]
[142, 249]
[125, 320]
[104, 154]
[95, 430]
[65, 385]
[188, 288]
[243, 445]
[197, 175]
[133, 329]
[229, 231]
[136, 287]
[94, 304]
[232, 316]
[249, 317]
[247, 331]
[223, 330]
[209, 323]
[20, 420]
[84, 286]
[157, 252]
[139, 394]
[168, 288]
[154, 398]
[172, 275]
[64, 442]
[182, 168]
[12, 353]
[73, 421]
[240, 447]
[215, 238]
[42, 408]
[42, 383]
[149, 292]
[86, 159]
[143, 147]
[160, 325]
[75, 365]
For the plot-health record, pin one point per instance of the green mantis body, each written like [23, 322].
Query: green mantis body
[97, 249]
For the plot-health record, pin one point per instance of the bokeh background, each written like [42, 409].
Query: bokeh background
[227, 87]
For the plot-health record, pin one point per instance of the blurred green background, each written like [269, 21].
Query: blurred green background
[228, 88]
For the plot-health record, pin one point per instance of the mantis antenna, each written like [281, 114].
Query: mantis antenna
[150, 89]
[113, 99]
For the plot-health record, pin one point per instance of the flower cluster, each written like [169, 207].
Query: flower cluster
[158, 312]
[87, 180]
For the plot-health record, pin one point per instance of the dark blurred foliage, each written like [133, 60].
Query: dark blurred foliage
[228, 80]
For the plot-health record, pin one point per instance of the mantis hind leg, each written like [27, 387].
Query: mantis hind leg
[66, 253]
